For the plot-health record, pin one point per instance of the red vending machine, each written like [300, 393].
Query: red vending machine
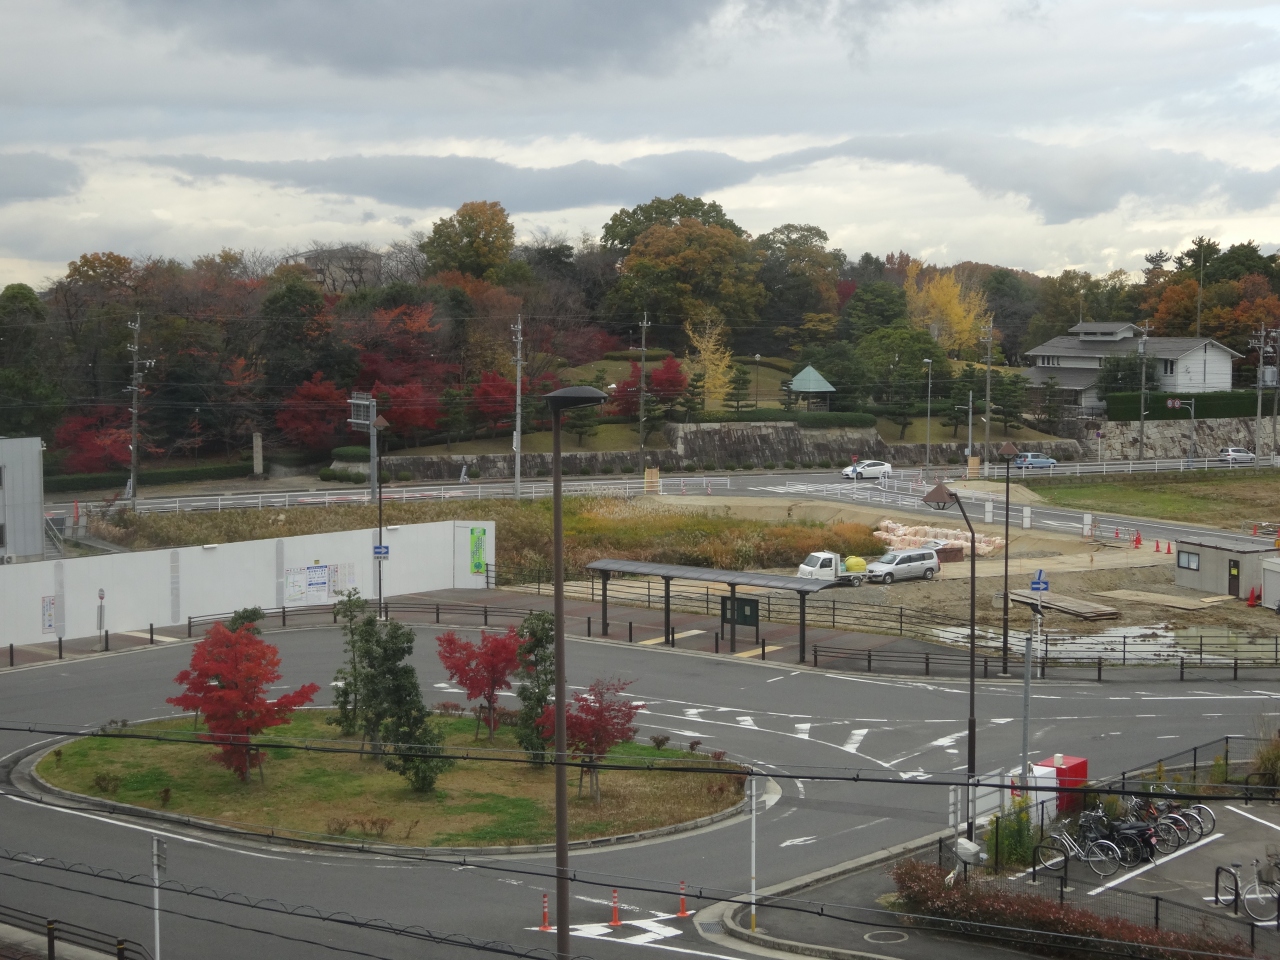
[1071, 772]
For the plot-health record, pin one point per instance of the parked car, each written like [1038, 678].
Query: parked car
[1234, 455]
[867, 470]
[1024, 460]
[902, 565]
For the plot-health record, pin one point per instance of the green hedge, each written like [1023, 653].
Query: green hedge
[651, 354]
[351, 454]
[806, 420]
[298, 458]
[786, 366]
[1209, 406]
[146, 478]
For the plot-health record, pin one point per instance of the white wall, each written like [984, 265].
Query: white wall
[165, 587]
[1270, 582]
[1206, 368]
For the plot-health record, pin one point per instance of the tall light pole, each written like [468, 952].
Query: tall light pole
[928, 413]
[1007, 453]
[1142, 396]
[517, 439]
[558, 401]
[757, 381]
[989, 336]
[940, 498]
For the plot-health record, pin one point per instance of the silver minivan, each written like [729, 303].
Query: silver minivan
[904, 564]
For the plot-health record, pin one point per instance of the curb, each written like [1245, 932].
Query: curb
[30, 758]
[726, 912]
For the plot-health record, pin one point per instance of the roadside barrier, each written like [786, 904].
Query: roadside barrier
[546, 916]
[683, 910]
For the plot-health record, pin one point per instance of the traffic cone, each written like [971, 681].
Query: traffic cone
[615, 922]
[1168, 546]
[1117, 533]
[1253, 597]
[1137, 540]
[1157, 544]
[682, 489]
[683, 912]
[1255, 529]
[546, 917]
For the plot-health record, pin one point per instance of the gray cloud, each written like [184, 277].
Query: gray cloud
[424, 182]
[35, 176]
[1061, 183]
[390, 36]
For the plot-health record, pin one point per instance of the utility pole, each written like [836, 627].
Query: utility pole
[988, 336]
[135, 383]
[644, 329]
[516, 438]
[1200, 291]
[1142, 394]
[159, 866]
[928, 413]
[1259, 342]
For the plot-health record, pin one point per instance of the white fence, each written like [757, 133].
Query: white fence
[59, 598]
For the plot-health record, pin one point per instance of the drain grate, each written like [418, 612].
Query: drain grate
[710, 926]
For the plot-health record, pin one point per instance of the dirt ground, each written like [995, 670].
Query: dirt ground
[1076, 567]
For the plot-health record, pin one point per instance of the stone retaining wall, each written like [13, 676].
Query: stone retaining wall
[1171, 439]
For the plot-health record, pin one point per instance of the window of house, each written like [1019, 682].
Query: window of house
[1188, 561]
[1170, 367]
[3, 543]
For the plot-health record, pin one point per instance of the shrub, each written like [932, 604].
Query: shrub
[694, 745]
[806, 464]
[731, 466]
[1015, 836]
[338, 826]
[585, 472]
[628, 468]
[717, 755]
[165, 796]
[106, 782]
[660, 740]
[789, 464]
[770, 465]
[953, 459]
[343, 476]
[708, 465]
[351, 454]
[690, 467]
[404, 475]
[542, 471]
[105, 481]
[825, 464]
[606, 469]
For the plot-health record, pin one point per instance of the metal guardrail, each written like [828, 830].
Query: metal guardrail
[61, 931]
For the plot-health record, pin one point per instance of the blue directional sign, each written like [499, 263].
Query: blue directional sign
[1041, 583]
[381, 551]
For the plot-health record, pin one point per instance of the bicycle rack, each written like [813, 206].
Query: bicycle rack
[1234, 872]
[1035, 868]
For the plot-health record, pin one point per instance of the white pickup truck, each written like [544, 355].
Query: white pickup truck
[826, 565]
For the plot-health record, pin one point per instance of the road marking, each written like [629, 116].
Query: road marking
[915, 775]
[1265, 823]
[1168, 736]
[688, 733]
[855, 740]
[949, 739]
[754, 653]
[152, 830]
[771, 679]
[802, 730]
[1001, 720]
[649, 643]
[679, 636]
[747, 722]
[692, 712]
[1143, 869]
[602, 931]
[798, 841]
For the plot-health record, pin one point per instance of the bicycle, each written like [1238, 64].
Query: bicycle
[1259, 897]
[1171, 832]
[1102, 856]
[1208, 822]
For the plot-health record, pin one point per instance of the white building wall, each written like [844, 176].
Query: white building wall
[46, 599]
[1203, 370]
[22, 496]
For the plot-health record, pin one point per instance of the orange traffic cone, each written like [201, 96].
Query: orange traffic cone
[1157, 544]
[683, 911]
[1168, 546]
[1117, 533]
[1137, 540]
[1253, 597]
[615, 922]
[1255, 529]
[546, 918]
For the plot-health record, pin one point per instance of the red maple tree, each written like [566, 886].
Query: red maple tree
[315, 414]
[626, 399]
[495, 398]
[668, 381]
[595, 723]
[227, 684]
[96, 440]
[481, 669]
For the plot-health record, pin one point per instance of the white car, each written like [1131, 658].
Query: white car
[867, 470]
[1234, 455]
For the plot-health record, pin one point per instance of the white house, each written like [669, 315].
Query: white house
[1183, 364]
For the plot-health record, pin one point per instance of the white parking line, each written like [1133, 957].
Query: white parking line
[1265, 823]
[1155, 863]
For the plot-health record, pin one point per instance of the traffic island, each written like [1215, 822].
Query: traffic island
[493, 798]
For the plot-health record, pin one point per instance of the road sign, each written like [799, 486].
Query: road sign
[102, 594]
[1173, 403]
[381, 551]
[1041, 583]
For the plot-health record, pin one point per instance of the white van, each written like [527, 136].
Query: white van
[904, 564]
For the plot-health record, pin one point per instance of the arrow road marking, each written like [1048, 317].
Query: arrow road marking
[747, 722]
[802, 730]
[798, 841]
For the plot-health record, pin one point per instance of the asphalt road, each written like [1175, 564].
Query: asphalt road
[771, 714]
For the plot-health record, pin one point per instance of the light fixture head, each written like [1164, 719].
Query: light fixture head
[1008, 451]
[569, 397]
[940, 497]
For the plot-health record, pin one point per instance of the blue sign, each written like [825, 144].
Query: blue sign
[381, 551]
[1040, 584]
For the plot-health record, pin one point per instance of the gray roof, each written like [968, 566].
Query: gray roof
[810, 380]
[768, 581]
[1239, 544]
[1170, 347]
[1069, 378]
[1091, 327]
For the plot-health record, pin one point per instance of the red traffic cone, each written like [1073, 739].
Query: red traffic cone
[546, 918]
[683, 911]
[1255, 529]
[1253, 596]
[1137, 540]
[615, 922]
[1168, 546]
[1117, 533]
[1157, 545]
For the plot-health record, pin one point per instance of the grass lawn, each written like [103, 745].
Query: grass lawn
[1217, 499]
[617, 370]
[942, 433]
[474, 803]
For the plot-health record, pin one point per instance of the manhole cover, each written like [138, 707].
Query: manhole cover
[885, 936]
[710, 926]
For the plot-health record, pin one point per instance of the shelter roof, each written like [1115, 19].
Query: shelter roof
[767, 581]
[810, 380]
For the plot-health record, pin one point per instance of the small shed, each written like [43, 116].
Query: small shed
[1271, 582]
[813, 388]
[1226, 566]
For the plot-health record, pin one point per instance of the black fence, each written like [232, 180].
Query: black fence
[60, 931]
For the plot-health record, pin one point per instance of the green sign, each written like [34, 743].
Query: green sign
[746, 614]
[477, 551]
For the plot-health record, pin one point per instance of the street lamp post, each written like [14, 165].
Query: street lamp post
[758, 382]
[1007, 453]
[559, 401]
[928, 414]
[940, 498]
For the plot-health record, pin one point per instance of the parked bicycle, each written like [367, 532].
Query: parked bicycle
[1136, 841]
[1198, 811]
[1259, 897]
[1172, 831]
[1102, 856]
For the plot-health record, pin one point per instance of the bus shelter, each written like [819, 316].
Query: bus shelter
[730, 578]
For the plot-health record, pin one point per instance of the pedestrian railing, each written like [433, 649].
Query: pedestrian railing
[62, 931]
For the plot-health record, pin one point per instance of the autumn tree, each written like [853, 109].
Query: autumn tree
[626, 226]
[227, 683]
[96, 440]
[668, 381]
[953, 312]
[481, 669]
[711, 356]
[477, 240]
[595, 723]
[495, 399]
[314, 415]
[798, 273]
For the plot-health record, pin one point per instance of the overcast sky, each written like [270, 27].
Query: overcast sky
[1039, 135]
